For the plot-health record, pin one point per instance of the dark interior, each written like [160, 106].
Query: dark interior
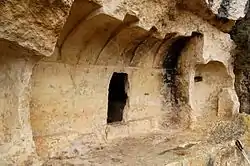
[117, 97]
[198, 79]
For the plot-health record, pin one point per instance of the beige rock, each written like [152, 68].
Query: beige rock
[16, 140]
[33, 24]
[228, 103]
[174, 164]
[220, 13]
[175, 72]
[231, 10]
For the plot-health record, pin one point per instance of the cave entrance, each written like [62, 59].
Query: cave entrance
[117, 97]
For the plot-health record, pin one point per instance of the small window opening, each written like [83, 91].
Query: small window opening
[197, 78]
[117, 97]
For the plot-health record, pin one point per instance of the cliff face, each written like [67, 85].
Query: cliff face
[59, 57]
[33, 24]
[240, 35]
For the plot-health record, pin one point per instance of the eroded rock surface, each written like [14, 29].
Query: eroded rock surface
[226, 9]
[240, 35]
[33, 24]
[175, 66]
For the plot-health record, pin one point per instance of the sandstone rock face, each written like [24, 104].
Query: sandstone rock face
[16, 141]
[220, 13]
[228, 104]
[173, 63]
[33, 24]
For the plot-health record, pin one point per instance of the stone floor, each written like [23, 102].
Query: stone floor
[155, 149]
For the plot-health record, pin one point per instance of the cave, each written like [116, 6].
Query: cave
[117, 97]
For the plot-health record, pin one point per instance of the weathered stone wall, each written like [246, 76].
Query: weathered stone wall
[34, 24]
[65, 96]
[200, 59]
[70, 89]
[72, 100]
[16, 140]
